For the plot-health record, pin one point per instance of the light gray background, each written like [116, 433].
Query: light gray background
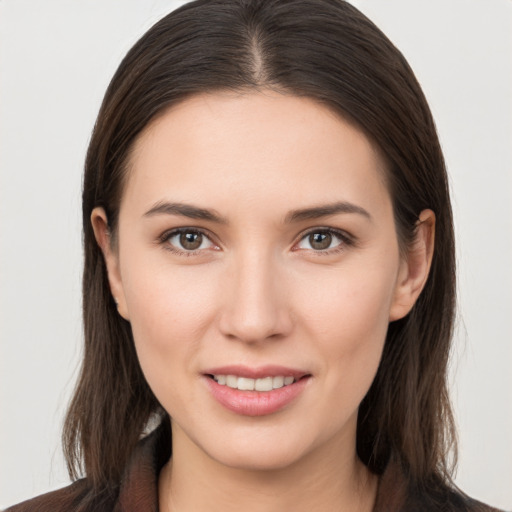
[56, 58]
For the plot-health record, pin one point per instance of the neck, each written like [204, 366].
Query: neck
[328, 479]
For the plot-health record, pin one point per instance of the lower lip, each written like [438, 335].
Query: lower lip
[255, 403]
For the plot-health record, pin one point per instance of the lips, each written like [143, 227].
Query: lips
[255, 391]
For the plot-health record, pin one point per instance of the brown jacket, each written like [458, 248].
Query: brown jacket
[139, 490]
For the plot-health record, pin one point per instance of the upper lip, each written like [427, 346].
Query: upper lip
[257, 372]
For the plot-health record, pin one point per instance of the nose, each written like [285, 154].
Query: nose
[255, 306]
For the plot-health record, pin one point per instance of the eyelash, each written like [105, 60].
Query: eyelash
[165, 237]
[346, 241]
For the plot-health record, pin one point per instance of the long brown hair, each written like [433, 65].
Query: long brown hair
[322, 49]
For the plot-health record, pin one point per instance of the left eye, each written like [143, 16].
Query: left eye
[189, 240]
[321, 240]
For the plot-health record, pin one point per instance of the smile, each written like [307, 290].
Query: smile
[256, 391]
[247, 384]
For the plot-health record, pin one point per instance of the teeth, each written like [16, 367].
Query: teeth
[263, 384]
[246, 384]
[277, 382]
[232, 381]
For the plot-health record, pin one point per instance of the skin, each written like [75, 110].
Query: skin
[259, 292]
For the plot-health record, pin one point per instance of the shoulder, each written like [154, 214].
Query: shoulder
[476, 506]
[396, 493]
[65, 499]
[139, 484]
[76, 497]
[453, 500]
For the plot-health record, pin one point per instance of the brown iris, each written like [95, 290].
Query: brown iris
[191, 241]
[320, 241]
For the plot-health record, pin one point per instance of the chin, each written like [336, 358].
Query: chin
[258, 459]
[259, 450]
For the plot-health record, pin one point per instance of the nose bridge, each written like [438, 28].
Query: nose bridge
[255, 308]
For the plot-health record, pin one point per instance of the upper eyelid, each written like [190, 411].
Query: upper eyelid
[186, 229]
[342, 234]
[164, 241]
[325, 229]
[346, 241]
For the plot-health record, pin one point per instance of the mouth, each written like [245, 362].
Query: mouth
[256, 392]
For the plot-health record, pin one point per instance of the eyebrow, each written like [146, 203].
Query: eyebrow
[315, 212]
[326, 210]
[185, 210]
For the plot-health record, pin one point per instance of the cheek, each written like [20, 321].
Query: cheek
[347, 315]
[163, 296]
[350, 304]
[352, 337]
[170, 309]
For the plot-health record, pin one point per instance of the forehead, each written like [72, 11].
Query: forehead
[258, 146]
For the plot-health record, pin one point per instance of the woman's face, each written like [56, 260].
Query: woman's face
[257, 246]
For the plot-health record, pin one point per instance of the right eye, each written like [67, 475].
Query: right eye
[187, 241]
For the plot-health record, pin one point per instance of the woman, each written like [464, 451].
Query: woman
[269, 273]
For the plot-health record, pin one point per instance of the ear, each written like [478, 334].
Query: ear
[415, 267]
[111, 256]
